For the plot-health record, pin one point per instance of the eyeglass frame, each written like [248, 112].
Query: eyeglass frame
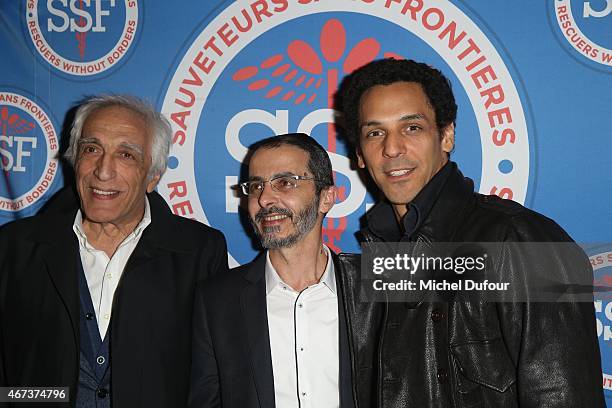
[244, 185]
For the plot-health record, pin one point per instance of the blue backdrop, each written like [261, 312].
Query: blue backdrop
[532, 79]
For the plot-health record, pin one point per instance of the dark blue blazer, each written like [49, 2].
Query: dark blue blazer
[232, 364]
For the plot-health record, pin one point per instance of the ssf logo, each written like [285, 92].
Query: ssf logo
[267, 67]
[82, 37]
[28, 146]
[601, 260]
[585, 24]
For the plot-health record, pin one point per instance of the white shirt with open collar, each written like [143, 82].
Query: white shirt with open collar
[103, 273]
[303, 329]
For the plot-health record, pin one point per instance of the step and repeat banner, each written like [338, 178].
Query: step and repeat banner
[533, 81]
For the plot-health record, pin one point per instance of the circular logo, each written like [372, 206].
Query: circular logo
[82, 37]
[585, 25]
[262, 69]
[601, 260]
[28, 146]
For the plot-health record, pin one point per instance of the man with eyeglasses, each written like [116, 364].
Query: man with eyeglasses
[272, 332]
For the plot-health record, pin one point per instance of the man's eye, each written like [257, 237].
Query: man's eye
[285, 183]
[127, 155]
[375, 133]
[255, 187]
[413, 128]
[90, 149]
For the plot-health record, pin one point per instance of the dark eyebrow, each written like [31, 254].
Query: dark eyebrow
[282, 174]
[370, 123]
[413, 116]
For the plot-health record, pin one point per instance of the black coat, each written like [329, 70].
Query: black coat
[468, 354]
[232, 363]
[152, 308]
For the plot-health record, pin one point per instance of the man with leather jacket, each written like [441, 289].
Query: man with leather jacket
[400, 117]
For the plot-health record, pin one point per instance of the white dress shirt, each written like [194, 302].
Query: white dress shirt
[303, 329]
[103, 273]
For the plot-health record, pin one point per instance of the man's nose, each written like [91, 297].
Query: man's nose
[268, 196]
[105, 168]
[393, 145]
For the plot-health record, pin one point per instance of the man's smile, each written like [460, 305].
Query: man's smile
[399, 172]
[104, 194]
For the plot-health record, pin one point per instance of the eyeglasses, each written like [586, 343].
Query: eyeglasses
[280, 184]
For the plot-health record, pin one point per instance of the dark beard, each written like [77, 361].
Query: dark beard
[304, 222]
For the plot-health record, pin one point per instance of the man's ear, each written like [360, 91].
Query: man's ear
[360, 162]
[448, 138]
[327, 199]
[153, 183]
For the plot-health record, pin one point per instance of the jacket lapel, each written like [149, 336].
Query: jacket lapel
[254, 309]
[60, 252]
[142, 254]
[160, 236]
[345, 380]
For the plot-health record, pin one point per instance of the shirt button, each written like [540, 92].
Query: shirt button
[102, 392]
[100, 360]
[436, 315]
[109, 275]
[107, 316]
[89, 316]
[300, 305]
[303, 394]
[442, 375]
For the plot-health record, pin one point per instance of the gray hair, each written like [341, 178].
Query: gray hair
[158, 125]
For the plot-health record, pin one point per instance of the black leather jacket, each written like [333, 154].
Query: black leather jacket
[473, 354]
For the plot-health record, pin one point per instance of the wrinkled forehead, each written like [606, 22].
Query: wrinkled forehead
[282, 160]
[118, 116]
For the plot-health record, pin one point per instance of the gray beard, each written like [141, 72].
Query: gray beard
[304, 222]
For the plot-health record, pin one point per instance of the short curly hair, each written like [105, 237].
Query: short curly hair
[388, 71]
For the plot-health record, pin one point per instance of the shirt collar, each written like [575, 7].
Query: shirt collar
[273, 280]
[381, 218]
[77, 227]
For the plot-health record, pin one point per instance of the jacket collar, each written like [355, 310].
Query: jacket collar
[257, 269]
[445, 215]
[438, 220]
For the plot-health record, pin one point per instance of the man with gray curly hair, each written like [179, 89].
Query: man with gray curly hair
[96, 293]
